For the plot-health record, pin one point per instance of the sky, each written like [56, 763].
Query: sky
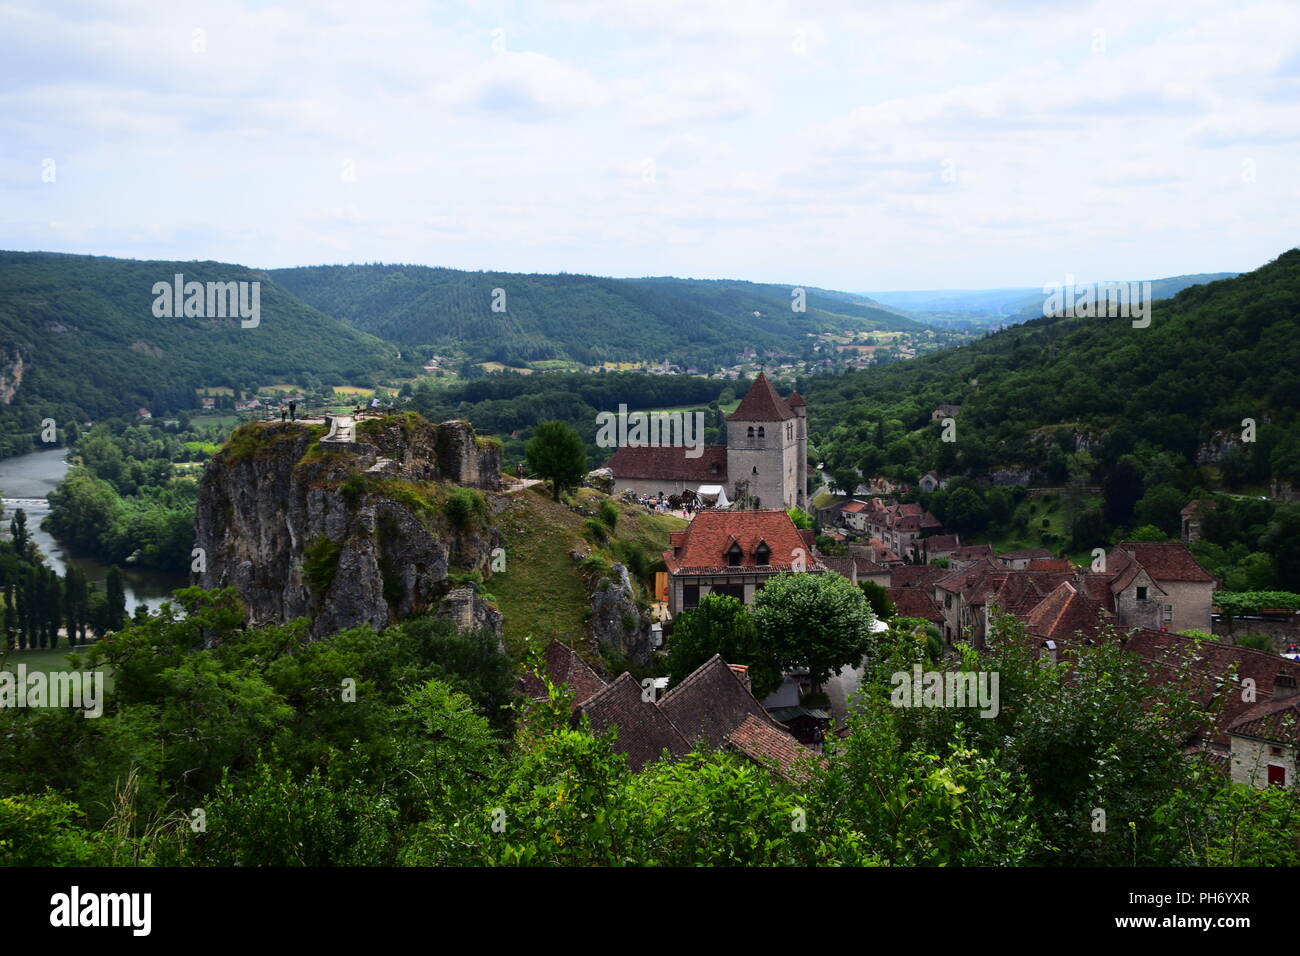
[845, 144]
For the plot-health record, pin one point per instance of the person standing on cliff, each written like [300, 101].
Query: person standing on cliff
[519, 471]
[283, 413]
[293, 411]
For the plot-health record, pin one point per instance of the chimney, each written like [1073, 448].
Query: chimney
[742, 674]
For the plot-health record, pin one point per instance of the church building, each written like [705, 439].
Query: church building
[763, 465]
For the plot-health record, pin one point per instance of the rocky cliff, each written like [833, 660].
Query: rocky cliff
[365, 532]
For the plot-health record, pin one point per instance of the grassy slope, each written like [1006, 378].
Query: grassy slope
[541, 592]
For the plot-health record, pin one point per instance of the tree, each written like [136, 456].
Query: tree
[1161, 506]
[878, 597]
[800, 518]
[18, 531]
[115, 594]
[818, 621]
[1122, 487]
[556, 453]
[966, 511]
[721, 625]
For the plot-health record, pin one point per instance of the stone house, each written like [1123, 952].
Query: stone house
[1168, 587]
[1263, 742]
[735, 552]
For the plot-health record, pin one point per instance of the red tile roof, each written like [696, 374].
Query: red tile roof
[972, 552]
[1026, 553]
[916, 576]
[669, 463]
[940, 542]
[796, 401]
[915, 602]
[1277, 720]
[853, 507]
[564, 667]
[844, 566]
[644, 731]
[1163, 560]
[712, 702]
[702, 547]
[1217, 669]
[1064, 614]
[776, 749]
[761, 404]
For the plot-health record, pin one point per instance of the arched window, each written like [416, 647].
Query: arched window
[761, 432]
[750, 433]
[756, 469]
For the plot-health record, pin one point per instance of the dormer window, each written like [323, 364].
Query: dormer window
[762, 554]
[734, 555]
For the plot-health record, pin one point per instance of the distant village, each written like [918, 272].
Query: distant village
[742, 534]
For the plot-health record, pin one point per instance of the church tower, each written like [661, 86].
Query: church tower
[767, 448]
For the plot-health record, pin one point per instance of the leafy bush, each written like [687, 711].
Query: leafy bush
[320, 562]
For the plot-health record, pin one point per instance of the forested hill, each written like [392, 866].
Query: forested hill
[79, 341]
[1213, 355]
[588, 319]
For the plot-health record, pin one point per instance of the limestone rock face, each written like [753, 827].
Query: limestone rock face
[617, 624]
[602, 479]
[303, 530]
[471, 612]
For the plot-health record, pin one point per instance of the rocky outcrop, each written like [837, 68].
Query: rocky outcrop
[1220, 444]
[301, 529]
[472, 613]
[11, 375]
[602, 479]
[617, 624]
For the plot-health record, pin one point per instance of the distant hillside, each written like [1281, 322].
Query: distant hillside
[997, 307]
[588, 319]
[79, 341]
[1214, 354]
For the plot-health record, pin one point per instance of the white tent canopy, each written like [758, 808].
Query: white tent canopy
[713, 496]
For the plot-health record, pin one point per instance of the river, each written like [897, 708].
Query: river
[25, 481]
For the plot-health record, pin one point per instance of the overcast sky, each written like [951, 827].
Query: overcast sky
[845, 143]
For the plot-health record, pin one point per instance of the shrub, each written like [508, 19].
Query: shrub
[320, 562]
[465, 507]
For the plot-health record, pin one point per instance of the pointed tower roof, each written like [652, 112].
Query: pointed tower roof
[761, 404]
[796, 401]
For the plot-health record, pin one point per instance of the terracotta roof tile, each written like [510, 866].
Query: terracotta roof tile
[761, 404]
[915, 602]
[762, 742]
[703, 545]
[644, 731]
[564, 667]
[670, 462]
[710, 703]
[1277, 720]
[1164, 560]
